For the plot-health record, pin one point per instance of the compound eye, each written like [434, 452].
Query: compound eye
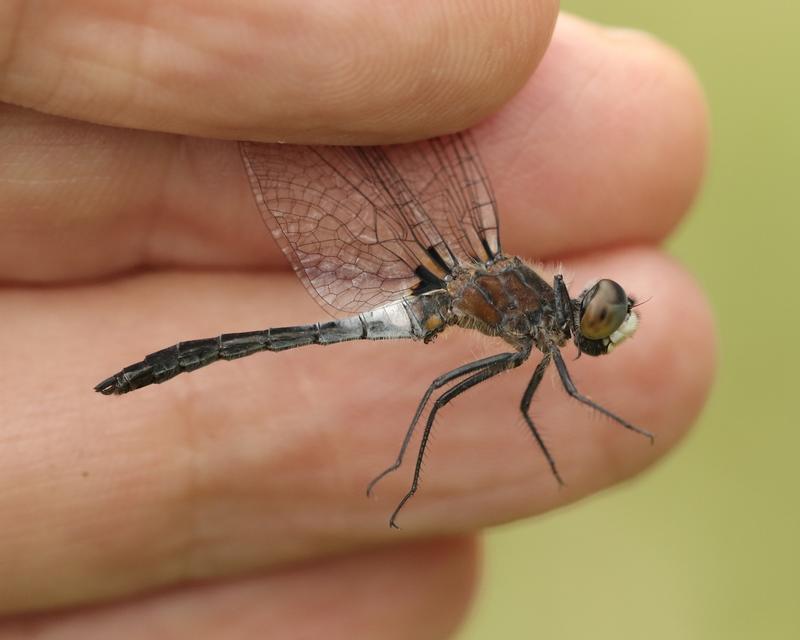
[603, 310]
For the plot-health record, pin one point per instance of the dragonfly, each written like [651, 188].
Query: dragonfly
[402, 242]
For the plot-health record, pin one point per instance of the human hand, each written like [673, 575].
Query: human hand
[116, 242]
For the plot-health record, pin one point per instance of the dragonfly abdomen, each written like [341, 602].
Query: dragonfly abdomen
[397, 320]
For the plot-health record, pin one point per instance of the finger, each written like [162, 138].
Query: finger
[604, 146]
[419, 590]
[342, 72]
[265, 460]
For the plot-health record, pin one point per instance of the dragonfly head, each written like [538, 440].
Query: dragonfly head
[606, 318]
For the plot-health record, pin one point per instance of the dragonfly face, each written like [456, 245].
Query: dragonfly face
[405, 241]
[605, 318]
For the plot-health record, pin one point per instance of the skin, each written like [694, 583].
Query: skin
[232, 498]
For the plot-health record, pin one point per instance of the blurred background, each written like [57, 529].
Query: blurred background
[706, 544]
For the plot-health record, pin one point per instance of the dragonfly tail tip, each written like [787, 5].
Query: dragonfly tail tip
[108, 386]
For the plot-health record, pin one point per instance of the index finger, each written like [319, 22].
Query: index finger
[573, 170]
[333, 72]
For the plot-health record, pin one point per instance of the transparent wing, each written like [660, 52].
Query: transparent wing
[362, 226]
[452, 187]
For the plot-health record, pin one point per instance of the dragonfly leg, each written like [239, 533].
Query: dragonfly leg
[566, 315]
[563, 305]
[509, 361]
[436, 384]
[525, 405]
[570, 388]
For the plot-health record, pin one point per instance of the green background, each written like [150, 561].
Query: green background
[706, 545]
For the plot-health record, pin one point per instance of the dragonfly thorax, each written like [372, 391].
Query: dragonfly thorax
[507, 299]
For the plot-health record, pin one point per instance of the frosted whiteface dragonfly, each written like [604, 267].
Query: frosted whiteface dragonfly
[404, 241]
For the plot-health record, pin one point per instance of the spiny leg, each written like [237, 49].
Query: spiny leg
[436, 384]
[512, 360]
[570, 388]
[563, 306]
[525, 405]
[566, 315]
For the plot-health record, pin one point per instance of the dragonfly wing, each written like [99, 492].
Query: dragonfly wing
[363, 226]
[452, 186]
